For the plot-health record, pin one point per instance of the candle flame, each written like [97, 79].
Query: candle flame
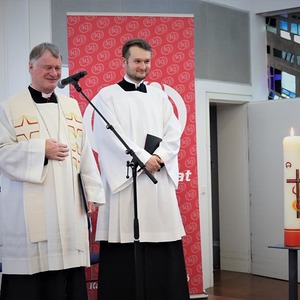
[292, 131]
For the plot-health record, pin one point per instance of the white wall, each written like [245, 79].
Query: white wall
[24, 24]
[2, 51]
[206, 92]
[234, 206]
[210, 91]
[266, 172]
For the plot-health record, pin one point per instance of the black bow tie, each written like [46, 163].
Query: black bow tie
[129, 87]
[142, 88]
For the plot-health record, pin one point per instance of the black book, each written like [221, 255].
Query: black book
[83, 199]
[151, 144]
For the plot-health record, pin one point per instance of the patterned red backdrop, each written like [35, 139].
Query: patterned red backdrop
[94, 45]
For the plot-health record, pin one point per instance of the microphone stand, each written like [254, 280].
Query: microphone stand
[135, 162]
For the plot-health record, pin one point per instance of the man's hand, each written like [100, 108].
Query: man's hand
[55, 150]
[91, 208]
[153, 164]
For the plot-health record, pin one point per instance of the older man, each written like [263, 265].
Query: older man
[43, 149]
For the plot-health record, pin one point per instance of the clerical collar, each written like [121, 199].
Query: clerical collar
[130, 81]
[130, 86]
[39, 97]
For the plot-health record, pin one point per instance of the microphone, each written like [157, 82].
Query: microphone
[71, 79]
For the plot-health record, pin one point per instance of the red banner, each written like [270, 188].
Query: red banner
[94, 45]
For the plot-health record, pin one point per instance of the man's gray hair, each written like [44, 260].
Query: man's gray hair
[40, 49]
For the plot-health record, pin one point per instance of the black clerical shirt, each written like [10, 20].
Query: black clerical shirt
[128, 86]
[38, 97]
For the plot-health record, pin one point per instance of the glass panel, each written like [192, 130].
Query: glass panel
[285, 34]
[288, 82]
[283, 25]
[272, 29]
[294, 28]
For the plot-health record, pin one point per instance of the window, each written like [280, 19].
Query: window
[284, 25]
[288, 85]
[294, 28]
[283, 39]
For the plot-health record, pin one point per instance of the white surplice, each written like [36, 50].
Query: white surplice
[133, 115]
[47, 231]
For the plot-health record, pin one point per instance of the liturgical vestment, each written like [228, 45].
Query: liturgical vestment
[42, 219]
[134, 115]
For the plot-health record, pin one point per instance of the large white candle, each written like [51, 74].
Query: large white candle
[291, 156]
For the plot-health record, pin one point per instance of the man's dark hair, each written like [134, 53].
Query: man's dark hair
[135, 42]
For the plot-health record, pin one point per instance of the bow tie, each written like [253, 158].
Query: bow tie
[142, 88]
[129, 87]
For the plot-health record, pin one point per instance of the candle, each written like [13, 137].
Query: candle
[291, 158]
